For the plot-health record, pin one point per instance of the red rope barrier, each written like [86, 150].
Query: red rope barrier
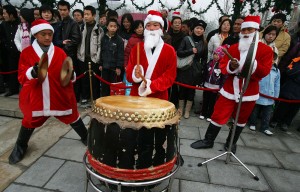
[9, 72]
[81, 76]
[279, 99]
[120, 86]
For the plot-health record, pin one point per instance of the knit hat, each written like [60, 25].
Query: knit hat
[27, 14]
[176, 14]
[154, 16]
[40, 25]
[251, 21]
[219, 52]
[199, 23]
[280, 16]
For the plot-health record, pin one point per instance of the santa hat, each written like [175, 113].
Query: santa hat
[176, 14]
[154, 16]
[251, 21]
[40, 25]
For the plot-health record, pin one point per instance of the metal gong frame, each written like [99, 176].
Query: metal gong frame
[90, 172]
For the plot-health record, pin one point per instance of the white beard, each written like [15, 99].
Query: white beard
[151, 38]
[244, 43]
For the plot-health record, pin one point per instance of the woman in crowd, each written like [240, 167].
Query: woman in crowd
[126, 28]
[48, 14]
[193, 74]
[22, 37]
[225, 29]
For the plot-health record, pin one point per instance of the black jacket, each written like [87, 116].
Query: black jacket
[185, 49]
[70, 30]
[112, 52]
[291, 88]
[8, 32]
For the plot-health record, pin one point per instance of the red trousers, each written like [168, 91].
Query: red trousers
[225, 108]
[35, 122]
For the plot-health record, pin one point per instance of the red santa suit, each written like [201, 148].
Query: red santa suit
[39, 101]
[159, 68]
[226, 105]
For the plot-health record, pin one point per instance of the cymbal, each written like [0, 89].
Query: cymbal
[43, 67]
[66, 72]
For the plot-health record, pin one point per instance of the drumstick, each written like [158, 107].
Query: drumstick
[226, 52]
[138, 63]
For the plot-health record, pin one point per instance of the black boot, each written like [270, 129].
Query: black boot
[21, 145]
[210, 136]
[81, 130]
[237, 134]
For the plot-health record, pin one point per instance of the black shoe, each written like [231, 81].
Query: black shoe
[283, 127]
[273, 124]
[202, 144]
[9, 93]
[81, 130]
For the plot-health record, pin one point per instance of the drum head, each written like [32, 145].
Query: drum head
[66, 72]
[43, 67]
[135, 112]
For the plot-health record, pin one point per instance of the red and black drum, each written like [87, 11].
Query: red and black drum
[133, 139]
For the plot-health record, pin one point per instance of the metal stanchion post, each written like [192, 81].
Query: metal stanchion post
[91, 83]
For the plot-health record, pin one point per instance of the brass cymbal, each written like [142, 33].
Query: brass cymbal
[66, 72]
[43, 67]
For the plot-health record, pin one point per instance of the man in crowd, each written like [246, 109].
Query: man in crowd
[8, 30]
[89, 51]
[78, 17]
[70, 38]
[41, 99]
[226, 104]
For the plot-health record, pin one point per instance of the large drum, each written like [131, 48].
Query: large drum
[133, 138]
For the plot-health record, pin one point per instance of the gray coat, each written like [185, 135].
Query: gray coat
[95, 44]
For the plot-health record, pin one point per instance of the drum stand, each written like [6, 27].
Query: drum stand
[229, 152]
[108, 181]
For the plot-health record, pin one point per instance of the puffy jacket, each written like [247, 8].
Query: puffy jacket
[95, 44]
[134, 39]
[112, 52]
[269, 85]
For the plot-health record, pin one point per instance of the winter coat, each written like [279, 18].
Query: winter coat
[112, 52]
[18, 37]
[95, 44]
[185, 49]
[214, 42]
[291, 88]
[176, 38]
[70, 30]
[134, 39]
[7, 35]
[287, 59]
[269, 85]
[213, 77]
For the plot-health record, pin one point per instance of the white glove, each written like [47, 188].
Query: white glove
[145, 90]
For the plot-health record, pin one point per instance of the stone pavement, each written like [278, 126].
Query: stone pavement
[54, 158]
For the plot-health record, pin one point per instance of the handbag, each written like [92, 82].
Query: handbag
[184, 62]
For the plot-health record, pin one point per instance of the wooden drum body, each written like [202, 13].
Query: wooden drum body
[133, 138]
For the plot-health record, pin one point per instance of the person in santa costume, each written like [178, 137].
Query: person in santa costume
[227, 103]
[38, 101]
[157, 61]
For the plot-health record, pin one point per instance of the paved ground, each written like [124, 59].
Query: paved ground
[54, 158]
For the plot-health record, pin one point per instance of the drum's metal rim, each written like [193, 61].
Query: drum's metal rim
[131, 184]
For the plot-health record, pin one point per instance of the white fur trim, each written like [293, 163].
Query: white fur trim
[241, 125]
[254, 66]
[236, 88]
[28, 73]
[134, 78]
[74, 77]
[144, 91]
[45, 84]
[228, 69]
[216, 124]
[152, 58]
[37, 28]
[251, 24]
[154, 18]
[231, 96]
[51, 113]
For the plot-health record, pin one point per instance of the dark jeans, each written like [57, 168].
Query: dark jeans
[209, 101]
[85, 81]
[186, 93]
[266, 111]
[173, 94]
[284, 113]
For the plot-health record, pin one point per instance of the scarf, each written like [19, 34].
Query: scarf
[25, 42]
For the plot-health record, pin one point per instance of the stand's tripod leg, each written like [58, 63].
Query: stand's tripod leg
[200, 164]
[254, 176]
[86, 182]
